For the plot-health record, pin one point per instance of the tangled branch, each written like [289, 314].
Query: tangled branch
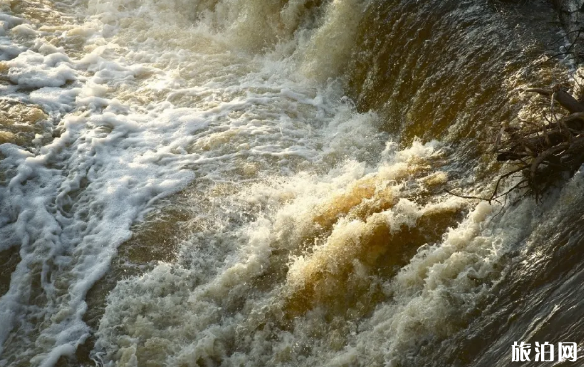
[542, 152]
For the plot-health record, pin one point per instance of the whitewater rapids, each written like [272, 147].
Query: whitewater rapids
[255, 183]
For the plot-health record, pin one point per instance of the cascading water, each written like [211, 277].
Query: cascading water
[252, 183]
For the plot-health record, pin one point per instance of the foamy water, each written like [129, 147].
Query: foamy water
[313, 236]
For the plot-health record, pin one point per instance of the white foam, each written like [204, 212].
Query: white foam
[32, 70]
[55, 99]
[24, 30]
[166, 93]
[71, 204]
[10, 21]
[186, 318]
[8, 52]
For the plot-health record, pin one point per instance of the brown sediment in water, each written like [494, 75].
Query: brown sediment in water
[154, 240]
[340, 275]
[349, 247]
[19, 122]
[363, 198]
[40, 12]
[54, 22]
[366, 196]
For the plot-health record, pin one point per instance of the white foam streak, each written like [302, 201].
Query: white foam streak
[134, 130]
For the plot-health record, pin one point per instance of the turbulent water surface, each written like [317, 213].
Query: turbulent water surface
[262, 183]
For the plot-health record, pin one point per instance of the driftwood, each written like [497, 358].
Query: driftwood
[564, 98]
[542, 152]
[545, 151]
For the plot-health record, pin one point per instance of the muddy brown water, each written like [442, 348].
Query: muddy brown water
[238, 268]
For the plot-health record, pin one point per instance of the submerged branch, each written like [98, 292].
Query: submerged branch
[541, 151]
[562, 97]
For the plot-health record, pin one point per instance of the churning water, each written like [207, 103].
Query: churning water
[262, 183]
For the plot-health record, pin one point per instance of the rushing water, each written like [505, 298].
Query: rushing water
[262, 183]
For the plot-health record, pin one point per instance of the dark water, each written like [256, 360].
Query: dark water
[432, 65]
